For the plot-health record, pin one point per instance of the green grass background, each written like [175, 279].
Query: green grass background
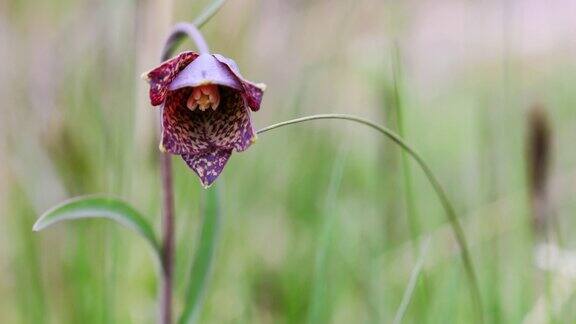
[315, 224]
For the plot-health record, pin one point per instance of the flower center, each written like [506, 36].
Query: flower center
[204, 97]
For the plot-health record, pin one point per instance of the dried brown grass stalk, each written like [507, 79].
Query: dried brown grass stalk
[538, 145]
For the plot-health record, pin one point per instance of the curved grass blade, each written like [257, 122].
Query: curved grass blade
[200, 272]
[439, 190]
[99, 207]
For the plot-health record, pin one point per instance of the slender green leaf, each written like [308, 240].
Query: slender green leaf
[317, 313]
[209, 11]
[412, 282]
[200, 272]
[99, 207]
[410, 200]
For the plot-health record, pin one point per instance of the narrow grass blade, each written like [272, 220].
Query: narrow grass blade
[411, 206]
[200, 272]
[209, 11]
[412, 282]
[99, 207]
[29, 297]
[316, 312]
[411, 211]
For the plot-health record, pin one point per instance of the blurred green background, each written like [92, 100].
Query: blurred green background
[323, 222]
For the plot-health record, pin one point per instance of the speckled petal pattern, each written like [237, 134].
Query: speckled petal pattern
[161, 77]
[208, 165]
[181, 133]
[191, 132]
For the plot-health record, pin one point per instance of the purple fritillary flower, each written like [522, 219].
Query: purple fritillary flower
[206, 110]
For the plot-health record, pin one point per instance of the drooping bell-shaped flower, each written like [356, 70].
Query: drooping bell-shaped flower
[206, 110]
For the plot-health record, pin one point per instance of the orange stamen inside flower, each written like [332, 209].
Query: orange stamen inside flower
[204, 97]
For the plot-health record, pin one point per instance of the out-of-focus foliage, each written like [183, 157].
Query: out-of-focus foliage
[74, 119]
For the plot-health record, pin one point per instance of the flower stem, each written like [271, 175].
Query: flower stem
[179, 31]
[167, 213]
[450, 213]
[168, 239]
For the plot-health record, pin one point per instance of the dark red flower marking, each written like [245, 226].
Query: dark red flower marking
[163, 75]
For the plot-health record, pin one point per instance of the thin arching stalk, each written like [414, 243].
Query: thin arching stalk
[178, 33]
[450, 213]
